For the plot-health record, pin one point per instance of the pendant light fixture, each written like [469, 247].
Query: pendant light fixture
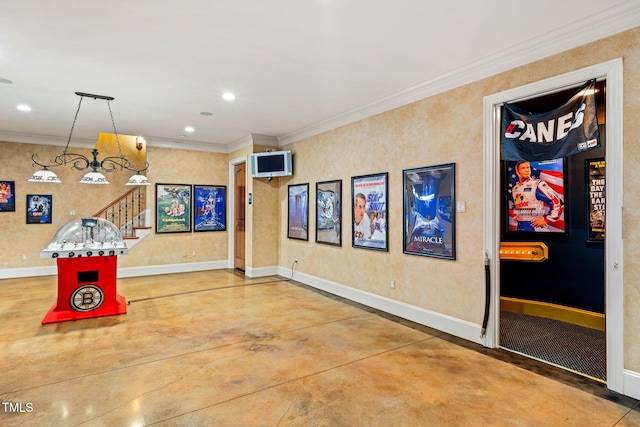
[80, 162]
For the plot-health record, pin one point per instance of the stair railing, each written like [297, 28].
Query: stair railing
[127, 212]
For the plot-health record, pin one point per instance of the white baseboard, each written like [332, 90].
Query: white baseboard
[151, 270]
[148, 270]
[15, 273]
[262, 271]
[459, 328]
[631, 384]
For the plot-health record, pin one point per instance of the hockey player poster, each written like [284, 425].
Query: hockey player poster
[429, 215]
[369, 213]
[535, 196]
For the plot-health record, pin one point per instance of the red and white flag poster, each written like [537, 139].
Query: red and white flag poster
[535, 196]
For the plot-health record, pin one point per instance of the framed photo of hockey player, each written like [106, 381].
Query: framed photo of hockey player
[535, 197]
[369, 211]
[429, 211]
[329, 212]
[209, 208]
[597, 200]
[298, 217]
[173, 208]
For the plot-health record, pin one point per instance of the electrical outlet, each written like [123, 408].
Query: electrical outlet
[193, 253]
[24, 257]
[393, 284]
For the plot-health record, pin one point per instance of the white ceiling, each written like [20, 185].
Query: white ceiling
[297, 67]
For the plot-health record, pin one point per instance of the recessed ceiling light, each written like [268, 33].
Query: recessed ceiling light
[228, 96]
[189, 129]
[23, 107]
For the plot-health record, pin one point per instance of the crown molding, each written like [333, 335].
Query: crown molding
[615, 20]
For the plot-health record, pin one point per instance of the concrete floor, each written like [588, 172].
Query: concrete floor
[217, 349]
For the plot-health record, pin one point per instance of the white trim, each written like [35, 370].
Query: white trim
[612, 21]
[231, 209]
[262, 271]
[460, 328]
[147, 270]
[612, 71]
[154, 270]
[14, 273]
[632, 384]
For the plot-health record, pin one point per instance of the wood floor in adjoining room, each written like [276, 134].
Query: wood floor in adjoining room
[215, 348]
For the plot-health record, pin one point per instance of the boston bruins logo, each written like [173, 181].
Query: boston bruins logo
[87, 298]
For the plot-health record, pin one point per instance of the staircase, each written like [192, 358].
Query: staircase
[129, 213]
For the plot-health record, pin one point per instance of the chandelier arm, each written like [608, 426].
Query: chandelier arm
[79, 162]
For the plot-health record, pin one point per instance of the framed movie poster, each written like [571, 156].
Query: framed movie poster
[329, 212]
[7, 196]
[210, 208]
[39, 208]
[369, 213]
[173, 208]
[298, 218]
[535, 196]
[597, 199]
[429, 211]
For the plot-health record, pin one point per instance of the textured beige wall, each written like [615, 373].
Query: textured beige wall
[443, 129]
[167, 166]
[265, 213]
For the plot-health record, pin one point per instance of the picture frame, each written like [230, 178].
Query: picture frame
[209, 208]
[429, 225]
[7, 196]
[39, 208]
[173, 208]
[369, 211]
[329, 212]
[530, 210]
[298, 212]
[595, 172]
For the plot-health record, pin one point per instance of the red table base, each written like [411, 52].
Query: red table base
[86, 289]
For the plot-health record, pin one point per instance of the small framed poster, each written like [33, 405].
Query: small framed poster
[209, 207]
[173, 208]
[329, 212]
[7, 196]
[298, 217]
[429, 211]
[597, 203]
[369, 202]
[39, 208]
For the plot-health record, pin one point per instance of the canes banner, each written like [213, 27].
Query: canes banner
[569, 129]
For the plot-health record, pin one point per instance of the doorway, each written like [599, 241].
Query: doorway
[553, 309]
[239, 184]
[610, 71]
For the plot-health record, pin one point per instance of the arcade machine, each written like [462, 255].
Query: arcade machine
[86, 251]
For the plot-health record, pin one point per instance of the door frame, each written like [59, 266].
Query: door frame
[232, 211]
[614, 267]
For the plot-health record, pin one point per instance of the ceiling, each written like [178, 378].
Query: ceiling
[297, 67]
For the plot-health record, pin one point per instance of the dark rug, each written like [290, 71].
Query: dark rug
[576, 348]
